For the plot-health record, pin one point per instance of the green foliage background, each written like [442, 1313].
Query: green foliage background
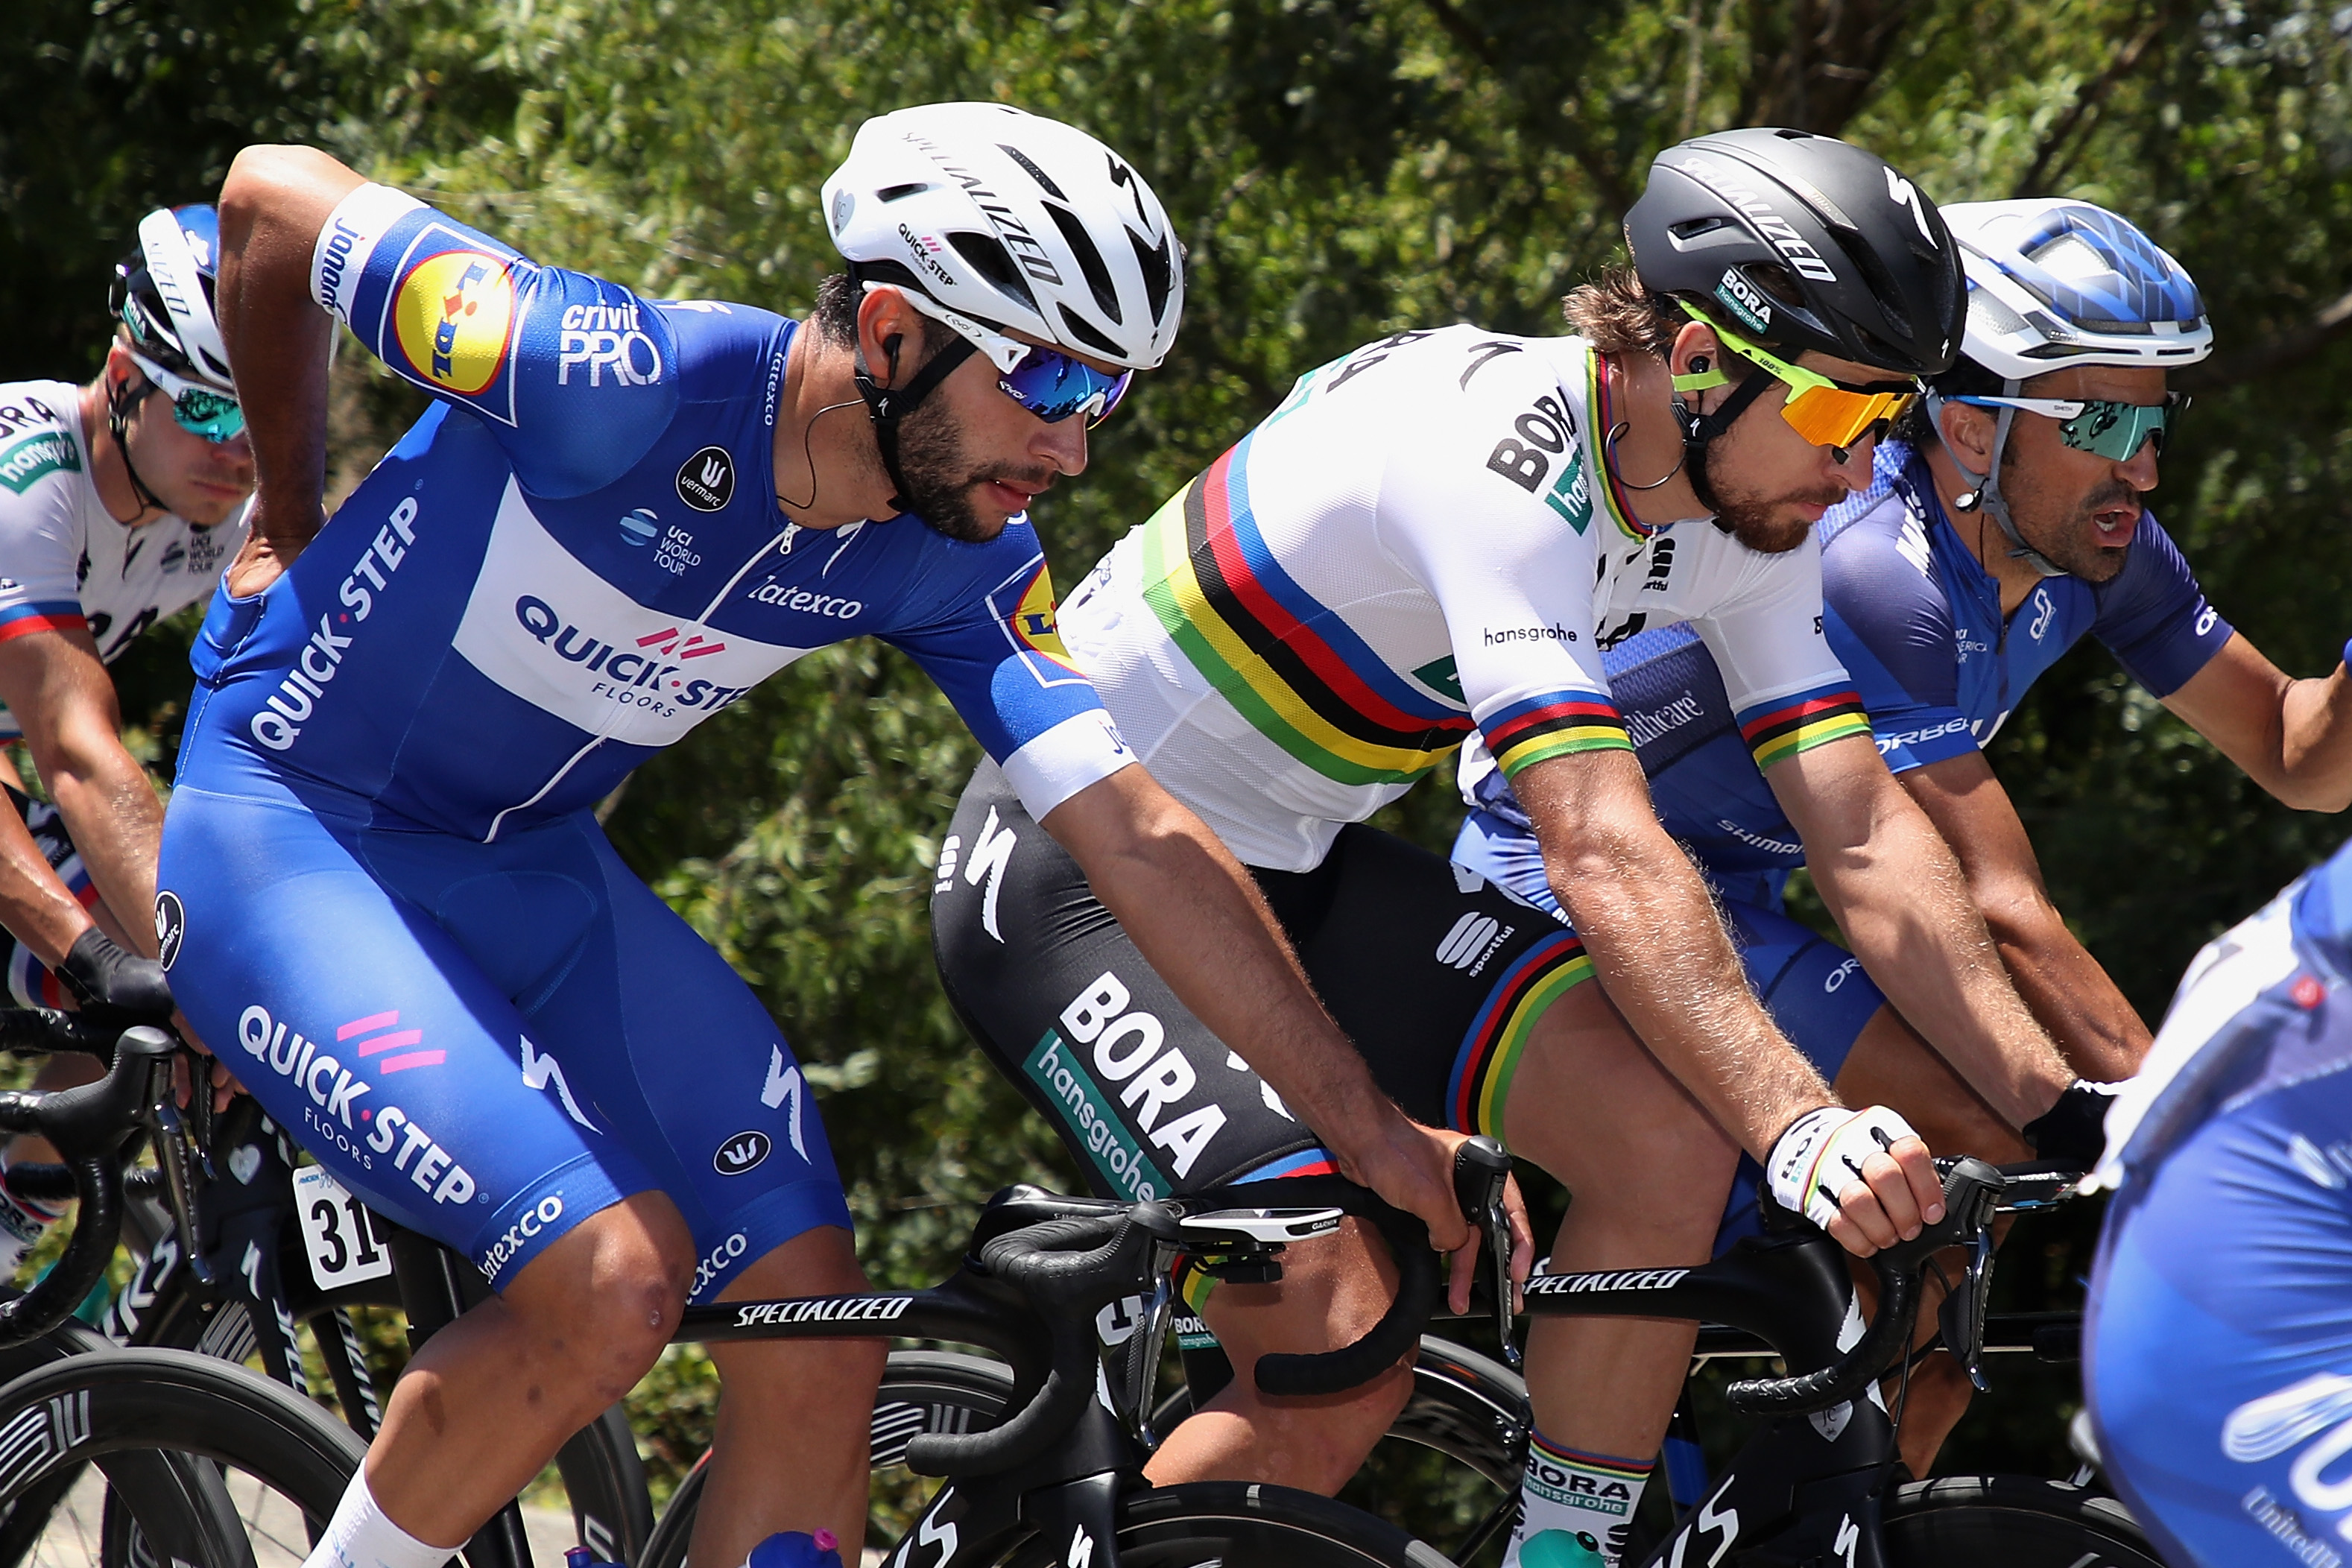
[1340, 168]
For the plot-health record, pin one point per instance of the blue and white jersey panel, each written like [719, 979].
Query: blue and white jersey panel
[1917, 618]
[577, 555]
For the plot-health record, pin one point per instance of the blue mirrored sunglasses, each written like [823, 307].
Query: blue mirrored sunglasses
[1046, 382]
[198, 409]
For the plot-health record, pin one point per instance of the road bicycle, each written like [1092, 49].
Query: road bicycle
[1816, 1483]
[1056, 1480]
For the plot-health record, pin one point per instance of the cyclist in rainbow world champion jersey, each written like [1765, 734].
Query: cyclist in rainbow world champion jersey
[1945, 621]
[1430, 536]
[386, 898]
[120, 502]
[2217, 1348]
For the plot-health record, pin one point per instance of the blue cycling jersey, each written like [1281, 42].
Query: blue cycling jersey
[2219, 1335]
[1916, 619]
[577, 557]
[383, 891]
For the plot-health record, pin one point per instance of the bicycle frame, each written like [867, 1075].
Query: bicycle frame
[1804, 1488]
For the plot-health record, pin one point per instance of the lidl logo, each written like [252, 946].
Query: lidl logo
[1033, 620]
[454, 315]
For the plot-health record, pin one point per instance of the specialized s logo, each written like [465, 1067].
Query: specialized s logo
[454, 316]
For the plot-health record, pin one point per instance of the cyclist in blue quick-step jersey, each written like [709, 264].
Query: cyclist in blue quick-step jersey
[386, 897]
[1944, 614]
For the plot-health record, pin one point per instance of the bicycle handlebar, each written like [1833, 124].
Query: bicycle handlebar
[1044, 1264]
[87, 1125]
[1972, 1190]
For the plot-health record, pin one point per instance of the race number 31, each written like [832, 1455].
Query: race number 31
[337, 1231]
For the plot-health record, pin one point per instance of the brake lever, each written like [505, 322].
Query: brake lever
[175, 1158]
[1961, 1318]
[1481, 1170]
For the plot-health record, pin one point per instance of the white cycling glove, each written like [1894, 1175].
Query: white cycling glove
[1823, 1150]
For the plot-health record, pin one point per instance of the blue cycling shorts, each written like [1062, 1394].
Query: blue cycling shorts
[2217, 1352]
[1814, 990]
[487, 1042]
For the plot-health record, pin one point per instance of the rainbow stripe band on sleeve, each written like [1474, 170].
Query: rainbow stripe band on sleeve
[1782, 728]
[54, 615]
[1286, 662]
[1553, 726]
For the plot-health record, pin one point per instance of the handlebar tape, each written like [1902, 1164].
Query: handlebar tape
[1041, 1262]
[1389, 1342]
[87, 1125]
[1971, 1187]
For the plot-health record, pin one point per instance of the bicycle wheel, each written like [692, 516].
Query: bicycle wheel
[922, 1390]
[133, 1424]
[1962, 1522]
[604, 1477]
[1449, 1470]
[1239, 1524]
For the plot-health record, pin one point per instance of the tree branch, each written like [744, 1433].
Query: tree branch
[1570, 137]
[2089, 99]
[2274, 354]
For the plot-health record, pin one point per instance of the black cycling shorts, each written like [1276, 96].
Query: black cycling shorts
[1437, 974]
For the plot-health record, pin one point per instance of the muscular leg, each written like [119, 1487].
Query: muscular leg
[1892, 1066]
[1331, 1290]
[488, 1400]
[1647, 1169]
[794, 1418]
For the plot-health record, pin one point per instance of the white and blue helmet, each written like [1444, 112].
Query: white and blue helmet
[2054, 283]
[162, 294]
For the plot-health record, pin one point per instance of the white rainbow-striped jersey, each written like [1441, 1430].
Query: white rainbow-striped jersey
[1415, 550]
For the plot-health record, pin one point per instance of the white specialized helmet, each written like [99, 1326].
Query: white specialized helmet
[163, 293]
[2054, 283]
[1015, 221]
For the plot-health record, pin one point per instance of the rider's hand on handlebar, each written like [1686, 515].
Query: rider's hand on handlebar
[1863, 1176]
[1412, 1167]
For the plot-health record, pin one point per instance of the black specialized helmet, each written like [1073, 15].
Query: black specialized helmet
[1797, 241]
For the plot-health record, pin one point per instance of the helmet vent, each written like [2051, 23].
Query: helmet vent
[1086, 332]
[992, 261]
[1698, 227]
[1158, 272]
[1045, 181]
[900, 193]
[1090, 260]
[1995, 314]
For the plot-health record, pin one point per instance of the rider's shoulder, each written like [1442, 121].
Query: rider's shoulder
[44, 452]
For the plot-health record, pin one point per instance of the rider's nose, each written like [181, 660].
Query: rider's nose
[1062, 444]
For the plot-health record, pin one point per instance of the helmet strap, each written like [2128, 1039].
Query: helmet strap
[885, 405]
[120, 401]
[1987, 496]
[1698, 429]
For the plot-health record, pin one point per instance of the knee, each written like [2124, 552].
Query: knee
[606, 1300]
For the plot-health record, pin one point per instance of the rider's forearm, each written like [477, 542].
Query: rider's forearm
[2102, 1036]
[2314, 763]
[1662, 954]
[34, 904]
[272, 206]
[1201, 923]
[1898, 895]
[116, 822]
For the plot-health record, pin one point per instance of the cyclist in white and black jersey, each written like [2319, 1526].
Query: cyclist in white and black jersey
[1436, 535]
[118, 507]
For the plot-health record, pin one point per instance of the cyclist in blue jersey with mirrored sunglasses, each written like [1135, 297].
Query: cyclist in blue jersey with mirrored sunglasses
[2004, 523]
[386, 901]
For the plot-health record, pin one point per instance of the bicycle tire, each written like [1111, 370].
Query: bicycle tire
[604, 1477]
[1244, 1524]
[922, 1390]
[173, 1405]
[2018, 1521]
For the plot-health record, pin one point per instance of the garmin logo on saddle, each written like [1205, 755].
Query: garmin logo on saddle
[280, 724]
[334, 1093]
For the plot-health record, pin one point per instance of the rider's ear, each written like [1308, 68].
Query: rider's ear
[1967, 431]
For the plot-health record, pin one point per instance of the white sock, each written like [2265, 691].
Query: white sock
[1590, 1496]
[360, 1536]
